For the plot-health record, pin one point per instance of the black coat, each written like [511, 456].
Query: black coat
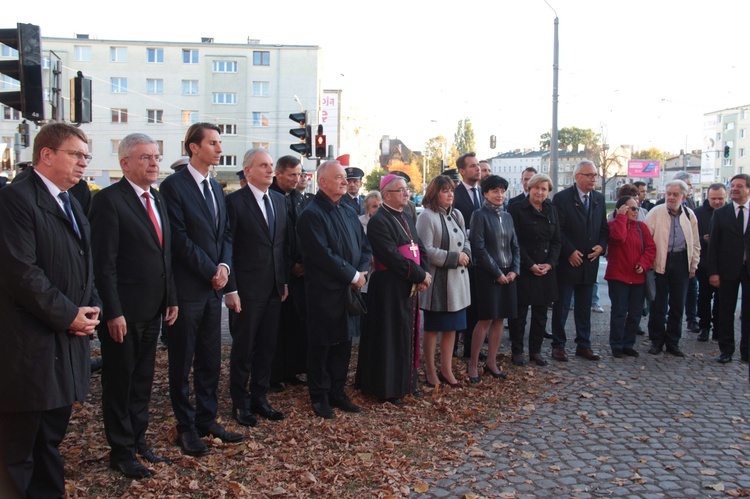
[727, 245]
[703, 214]
[538, 235]
[46, 274]
[295, 203]
[580, 231]
[462, 201]
[334, 250]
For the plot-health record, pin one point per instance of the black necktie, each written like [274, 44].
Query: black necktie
[69, 212]
[475, 198]
[209, 200]
[741, 218]
[269, 215]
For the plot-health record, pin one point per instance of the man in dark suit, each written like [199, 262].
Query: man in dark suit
[708, 313]
[257, 216]
[49, 307]
[525, 177]
[728, 266]
[133, 268]
[584, 231]
[337, 256]
[202, 252]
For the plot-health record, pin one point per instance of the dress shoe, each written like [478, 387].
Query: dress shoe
[96, 364]
[517, 359]
[655, 349]
[323, 410]
[724, 358]
[394, 400]
[498, 375]
[417, 393]
[149, 456]
[131, 469]
[264, 410]
[345, 404]
[598, 309]
[537, 359]
[675, 350]
[191, 444]
[548, 336]
[617, 353]
[693, 326]
[559, 354]
[443, 379]
[586, 353]
[472, 379]
[630, 352]
[703, 335]
[216, 431]
[244, 417]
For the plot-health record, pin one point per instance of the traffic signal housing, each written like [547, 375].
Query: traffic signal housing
[726, 151]
[29, 99]
[303, 133]
[320, 146]
[80, 99]
[23, 131]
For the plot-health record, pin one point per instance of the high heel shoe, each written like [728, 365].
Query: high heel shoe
[471, 379]
[500, 375]
[443, 379]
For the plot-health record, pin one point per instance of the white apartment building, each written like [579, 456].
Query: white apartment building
[510, 166]
[726, 127]
[161, 88]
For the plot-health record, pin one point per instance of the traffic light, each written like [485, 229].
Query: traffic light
[80, 99]
[726, 151]
[303, 133]
[23, 130]
[26, 39]
[320, 143]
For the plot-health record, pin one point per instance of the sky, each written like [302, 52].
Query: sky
[641, 72]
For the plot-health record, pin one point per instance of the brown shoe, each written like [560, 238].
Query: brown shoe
[559, 354]
[586, 353]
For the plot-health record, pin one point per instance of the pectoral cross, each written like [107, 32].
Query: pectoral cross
[414, 249]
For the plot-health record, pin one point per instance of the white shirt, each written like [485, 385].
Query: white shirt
[139, 192]
[258, 194]
[199, 178]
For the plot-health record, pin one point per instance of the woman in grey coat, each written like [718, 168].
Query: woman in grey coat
[443, 232]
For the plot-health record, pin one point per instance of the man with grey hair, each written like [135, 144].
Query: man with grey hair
[131, 242]
[674, 228]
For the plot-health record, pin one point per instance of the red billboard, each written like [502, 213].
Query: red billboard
[644, 168]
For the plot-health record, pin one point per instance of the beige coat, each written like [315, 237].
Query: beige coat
[659, 222]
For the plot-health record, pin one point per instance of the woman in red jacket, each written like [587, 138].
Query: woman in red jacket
[631, 253]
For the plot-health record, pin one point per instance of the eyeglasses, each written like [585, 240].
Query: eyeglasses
[146, 158]
[589, 175]
[633, 208]
[77, 154]
[402, 190]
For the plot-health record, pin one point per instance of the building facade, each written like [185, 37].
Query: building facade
[722, 129]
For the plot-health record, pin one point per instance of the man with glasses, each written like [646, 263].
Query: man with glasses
[131, 241]
[49, 307]
[584, 231]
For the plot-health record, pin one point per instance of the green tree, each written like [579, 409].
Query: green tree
[464, 138]
[651, 153]
[372, 180]
[571, 137]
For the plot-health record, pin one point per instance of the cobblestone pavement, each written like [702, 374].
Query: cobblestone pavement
[655, 426]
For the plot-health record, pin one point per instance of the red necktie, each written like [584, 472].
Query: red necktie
[152, 216]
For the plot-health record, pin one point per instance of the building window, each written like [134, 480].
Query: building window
[729, 126]
[119, 85]
[227, 129]
[718, 118]
[261, 58]
[119, 115]
[115, 145]
[155, 116]
[154, 86]
[260, 145]
[6, 51]
[190, 56]
[225, 66]
[118, 54]
[10, 114]
[260, 119]
[160, 145]
[224, 98]
[6, 82]
[82, 53]
[228, 161]
[727, 162]
[741, 152]
[261, 89]
[189, 87]
[155, 55]
[742, 133]
[189, 117]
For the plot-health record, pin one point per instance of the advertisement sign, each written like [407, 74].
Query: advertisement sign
[330, 110]
[644, 168]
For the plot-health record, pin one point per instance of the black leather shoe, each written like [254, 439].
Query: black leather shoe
[630, 352]
[244, 417]
[131, 469]
[496, 375]
[394, 401]
[96, 365]
[655, 349]
[191, 444]
[703, 335]
[323, 410]
[537, 359]
[216, 431]
[517, 359]
[264, 410]
[153, 458]
[693, 327]
[345, 404]
[617, 353]
[724, 358]
[675, 350]
[548, 336]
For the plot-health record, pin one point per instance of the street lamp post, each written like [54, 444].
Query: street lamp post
[555, 71]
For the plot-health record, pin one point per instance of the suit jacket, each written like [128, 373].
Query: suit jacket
[261, 265]
[357, 203]
[198, 245]
[463, 202]
[515, 200]
[727, 245]
[580, 230]
[133, 272]
[46, 274]
[80, 191]
[295, 203]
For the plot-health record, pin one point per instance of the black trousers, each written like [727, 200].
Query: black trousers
[29, 449]
[327, 367]
[127, 378]
[708, 314]
[728, 292]
[195, 340]
[517, 327]
[671, 288]
[253, 347]
[290, 358]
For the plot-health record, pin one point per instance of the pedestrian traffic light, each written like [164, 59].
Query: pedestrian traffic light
[23, 131]
[80, 99]
[29, 99]
[320, 143]
[303, 133]
[726, 151]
